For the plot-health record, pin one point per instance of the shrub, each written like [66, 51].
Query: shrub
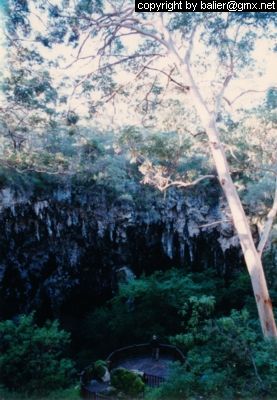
[31, 357]
[139, 308]
[227, 358]
[100, 368]
[95, 371]
[127, 382]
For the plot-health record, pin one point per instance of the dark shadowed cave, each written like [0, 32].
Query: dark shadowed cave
[61, 250]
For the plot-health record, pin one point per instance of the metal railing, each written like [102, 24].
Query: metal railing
[142, 349]
[153, 380]
[121, 354]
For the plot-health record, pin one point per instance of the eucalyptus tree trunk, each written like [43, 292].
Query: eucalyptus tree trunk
[251, 255]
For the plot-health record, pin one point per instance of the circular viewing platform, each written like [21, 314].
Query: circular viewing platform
[138, 358]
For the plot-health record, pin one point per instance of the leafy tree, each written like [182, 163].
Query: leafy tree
[28, 93]
[31, 357]
[31, 111]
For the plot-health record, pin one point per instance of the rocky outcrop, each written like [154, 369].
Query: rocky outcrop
[66, 248]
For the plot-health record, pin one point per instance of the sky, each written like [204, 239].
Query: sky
[258, 79]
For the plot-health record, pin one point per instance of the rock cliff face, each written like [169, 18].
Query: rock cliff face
[63, 250]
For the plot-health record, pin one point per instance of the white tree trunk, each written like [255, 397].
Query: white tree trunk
[251, 255]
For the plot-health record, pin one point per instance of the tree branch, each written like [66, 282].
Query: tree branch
[231, 102]
[214, 223]
[181, 184]
[268, 224]
[169, 76]
[144, 33]
[107, 66]
[156, 176]
[230, 73]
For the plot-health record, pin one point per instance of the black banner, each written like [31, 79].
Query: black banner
[195, 6]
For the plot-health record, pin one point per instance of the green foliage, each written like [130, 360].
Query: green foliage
[171, 149]
[31, 183]
[72, 118]
[17, 11]
[31, 357]
[62, 394]
[236, 295]
[127, 382]
[88, 6]
[196, 311]
[271, 100]
[95, 371]
[24, 90]
[100, 367]
[260, 194]
[251, 152]
[226, 358]
[142, 308]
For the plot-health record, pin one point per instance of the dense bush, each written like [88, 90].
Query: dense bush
[31, 357]
[127, 382]
[100, 368]
[143, 307]
[155, 305]
[226, 358]
[95, 371]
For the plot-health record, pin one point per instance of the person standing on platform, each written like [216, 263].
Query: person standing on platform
[155, 346]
